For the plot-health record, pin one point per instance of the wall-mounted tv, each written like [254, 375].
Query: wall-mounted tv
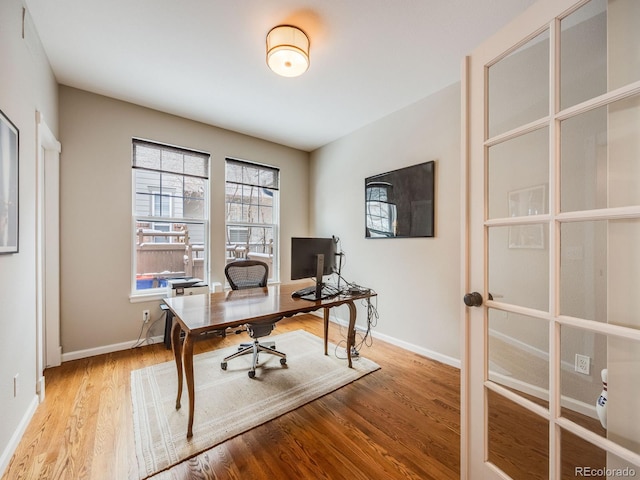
[400, 204]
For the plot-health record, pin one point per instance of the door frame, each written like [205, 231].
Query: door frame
[49, 351]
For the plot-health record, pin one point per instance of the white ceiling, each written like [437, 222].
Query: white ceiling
[205, 59]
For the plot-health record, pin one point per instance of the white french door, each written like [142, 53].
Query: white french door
[552, 147]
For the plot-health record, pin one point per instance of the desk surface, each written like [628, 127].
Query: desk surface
[201, 313]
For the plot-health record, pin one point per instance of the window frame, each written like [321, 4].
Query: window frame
[274, 225]
[155, 191]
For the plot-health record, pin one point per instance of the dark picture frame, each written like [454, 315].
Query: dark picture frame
[9, 179]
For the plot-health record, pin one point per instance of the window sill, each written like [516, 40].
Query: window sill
[147, 297]
[159, 295]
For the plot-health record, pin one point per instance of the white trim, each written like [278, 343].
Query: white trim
[40, 388]
[425, 352]
[161, 294]
[11, 447]
[116, 347]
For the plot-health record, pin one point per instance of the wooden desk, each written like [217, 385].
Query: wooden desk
[197, 314]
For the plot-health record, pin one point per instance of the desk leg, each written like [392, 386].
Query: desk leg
[187, 358]
[351, 334]
[177, 353]
[326, 331]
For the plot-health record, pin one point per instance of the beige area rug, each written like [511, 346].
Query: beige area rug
[229, 402]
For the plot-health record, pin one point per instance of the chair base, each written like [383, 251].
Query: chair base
[255, 348]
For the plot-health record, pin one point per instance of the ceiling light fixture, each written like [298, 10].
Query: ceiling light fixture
[287, 51]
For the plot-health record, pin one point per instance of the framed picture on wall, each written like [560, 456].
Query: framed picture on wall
[9, 137]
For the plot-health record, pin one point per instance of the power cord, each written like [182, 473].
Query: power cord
[147, 337]
[365, 339]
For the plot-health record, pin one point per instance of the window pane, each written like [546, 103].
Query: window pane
[146, 181]
[194, 196]
[518, 354]
[601, 157]
[599, 49]
[518, 440]
[612, 411]
[604, 255]
[265, 214]
[525, 70]
[519, 265]
[194, 208]
[581, 459]
[519, 175]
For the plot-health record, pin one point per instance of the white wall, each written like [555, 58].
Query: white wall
[26, 85]
[95, 176]
[417, 279]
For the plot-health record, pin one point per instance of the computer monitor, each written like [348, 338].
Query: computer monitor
[305, 258]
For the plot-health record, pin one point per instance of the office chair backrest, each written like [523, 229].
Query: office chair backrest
[247, 274]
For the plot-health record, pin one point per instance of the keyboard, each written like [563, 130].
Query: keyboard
[304, 291]
[309, 293]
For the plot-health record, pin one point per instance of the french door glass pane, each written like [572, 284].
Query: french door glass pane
[524, 70]
[519, 265]
[581, 459]
[611, 360]
[519, 354]
[518, 439]
[519, 175]
[600, 271]
[599, 49]
[600, 157]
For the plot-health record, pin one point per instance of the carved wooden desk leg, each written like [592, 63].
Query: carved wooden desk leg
[177, 353]
[187, 359]
[351, 334]
[326, 330]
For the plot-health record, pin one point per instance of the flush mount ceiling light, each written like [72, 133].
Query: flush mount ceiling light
[287, 51]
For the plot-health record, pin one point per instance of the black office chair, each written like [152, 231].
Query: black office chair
[250, 274]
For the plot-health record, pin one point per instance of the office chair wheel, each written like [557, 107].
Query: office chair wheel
[223, 365]
[252, 374]
[283, 361]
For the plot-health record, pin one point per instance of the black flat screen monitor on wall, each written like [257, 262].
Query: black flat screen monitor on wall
[400, 204]
[304, 257]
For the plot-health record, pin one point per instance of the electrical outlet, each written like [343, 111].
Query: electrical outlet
[145, 316]
[15, 385]
[583, 364]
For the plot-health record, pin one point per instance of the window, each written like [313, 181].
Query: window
[251, 201]
[170, 214]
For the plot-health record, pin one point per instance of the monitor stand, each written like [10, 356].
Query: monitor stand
[319, 271]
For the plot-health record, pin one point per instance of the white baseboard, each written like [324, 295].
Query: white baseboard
[425, 352]
[8, 452]
[116, 347]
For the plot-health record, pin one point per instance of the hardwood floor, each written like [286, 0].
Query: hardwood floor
[401, 422]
